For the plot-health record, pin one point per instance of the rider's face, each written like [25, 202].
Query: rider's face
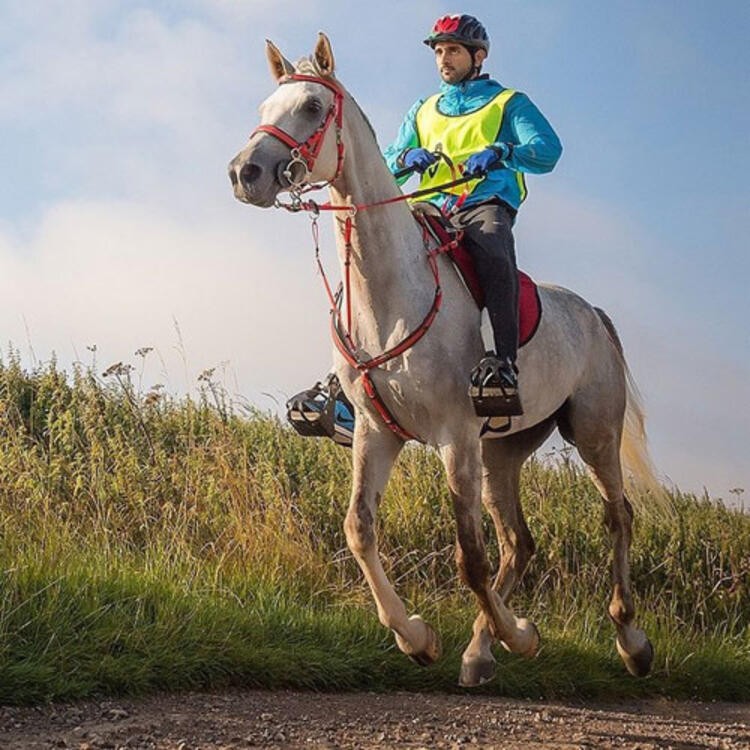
[454, 62]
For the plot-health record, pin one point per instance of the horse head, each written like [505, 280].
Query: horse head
[298, 141]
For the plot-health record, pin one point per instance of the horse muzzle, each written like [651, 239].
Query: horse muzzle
[257, 181]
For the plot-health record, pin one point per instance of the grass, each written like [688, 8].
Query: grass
[148, 543]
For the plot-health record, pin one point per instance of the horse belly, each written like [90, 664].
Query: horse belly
[553, 363]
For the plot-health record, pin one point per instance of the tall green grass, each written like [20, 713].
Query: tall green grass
[148, 543]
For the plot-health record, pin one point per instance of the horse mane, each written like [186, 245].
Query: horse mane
[309, 66]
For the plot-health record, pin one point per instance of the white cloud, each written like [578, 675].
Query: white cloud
[119, 275]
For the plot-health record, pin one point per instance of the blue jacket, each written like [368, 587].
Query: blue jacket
[536, 147]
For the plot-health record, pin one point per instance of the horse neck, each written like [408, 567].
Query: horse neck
[390, 278]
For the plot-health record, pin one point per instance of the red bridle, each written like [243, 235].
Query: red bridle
[305, 153]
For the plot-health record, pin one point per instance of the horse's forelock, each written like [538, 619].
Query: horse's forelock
[307, 66]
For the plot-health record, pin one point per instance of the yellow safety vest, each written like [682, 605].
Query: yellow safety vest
[458, 136]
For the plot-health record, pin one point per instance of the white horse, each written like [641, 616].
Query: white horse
[572, 373]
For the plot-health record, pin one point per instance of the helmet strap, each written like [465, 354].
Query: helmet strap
[475, 69]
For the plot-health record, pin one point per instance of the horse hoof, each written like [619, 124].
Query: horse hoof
[639, 662]
[528, 644]
[430, 652]
[536, 642]
[475, 672]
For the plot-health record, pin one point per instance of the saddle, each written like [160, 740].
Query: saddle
[529, 304]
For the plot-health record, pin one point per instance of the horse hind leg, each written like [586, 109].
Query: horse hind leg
[633, 645]
[516, 548]
[373, 456]
[496, 619]
[600, 449]
[502, 460]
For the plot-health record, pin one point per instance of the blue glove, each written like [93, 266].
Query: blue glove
[480, 163]
[418, 159]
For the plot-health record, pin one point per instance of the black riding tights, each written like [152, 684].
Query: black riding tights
[488, 237]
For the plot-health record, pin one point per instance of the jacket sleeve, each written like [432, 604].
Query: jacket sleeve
[407, 138]
[527, 138]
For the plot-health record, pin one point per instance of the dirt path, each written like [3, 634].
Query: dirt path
[210, 721]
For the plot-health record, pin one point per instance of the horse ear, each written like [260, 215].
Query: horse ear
[278, 64]
[324, 55]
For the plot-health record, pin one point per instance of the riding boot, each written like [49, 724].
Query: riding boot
[488, 237]
[323, 411]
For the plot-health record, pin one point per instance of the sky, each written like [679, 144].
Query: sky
[118, 229]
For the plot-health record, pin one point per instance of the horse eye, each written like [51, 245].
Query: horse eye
[313, 105]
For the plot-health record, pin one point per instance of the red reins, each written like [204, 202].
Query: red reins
[305, 153]
[342, 336]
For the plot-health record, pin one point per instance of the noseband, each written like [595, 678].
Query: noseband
[305, 153]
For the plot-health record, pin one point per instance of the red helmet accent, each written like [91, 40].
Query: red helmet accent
[463, 29]
[446, 24]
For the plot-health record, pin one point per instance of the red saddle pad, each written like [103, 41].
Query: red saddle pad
[529, 304]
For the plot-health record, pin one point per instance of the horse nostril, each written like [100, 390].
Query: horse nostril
[233, 175]
[249, 174]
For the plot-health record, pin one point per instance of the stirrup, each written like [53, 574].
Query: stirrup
[322, 411]
[494, 388]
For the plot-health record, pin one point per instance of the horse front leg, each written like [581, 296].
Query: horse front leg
[374, 453]
[516, 634]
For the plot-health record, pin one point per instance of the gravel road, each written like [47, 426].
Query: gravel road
[247, 719]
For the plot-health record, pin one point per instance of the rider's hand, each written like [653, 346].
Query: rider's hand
[418, 159]
[478, 164]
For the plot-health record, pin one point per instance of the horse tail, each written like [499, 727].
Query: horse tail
[644, 488]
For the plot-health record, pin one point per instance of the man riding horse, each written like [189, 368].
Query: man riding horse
[497, 135]
[575, 377]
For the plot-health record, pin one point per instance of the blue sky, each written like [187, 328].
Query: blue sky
[118, 228]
